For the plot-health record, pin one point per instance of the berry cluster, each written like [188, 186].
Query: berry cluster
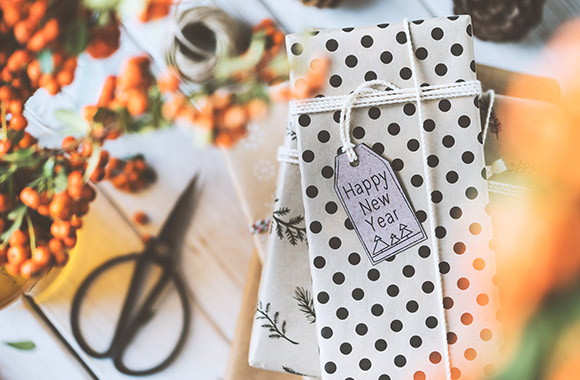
[131, 175]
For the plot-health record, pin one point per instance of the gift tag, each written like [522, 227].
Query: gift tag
[376, 204]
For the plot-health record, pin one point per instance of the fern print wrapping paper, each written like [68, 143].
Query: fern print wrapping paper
[284, 325]
[383, 321]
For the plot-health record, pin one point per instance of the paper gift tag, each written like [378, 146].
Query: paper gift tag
[376, 204]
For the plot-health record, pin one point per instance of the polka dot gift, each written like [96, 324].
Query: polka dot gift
[400, 103]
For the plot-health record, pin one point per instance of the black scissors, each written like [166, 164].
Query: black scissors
[159, 252]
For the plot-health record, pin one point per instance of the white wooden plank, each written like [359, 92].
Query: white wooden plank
[107, 234]
[295, 17]
[50, 359]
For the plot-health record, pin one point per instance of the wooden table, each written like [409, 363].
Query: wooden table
[218, 248]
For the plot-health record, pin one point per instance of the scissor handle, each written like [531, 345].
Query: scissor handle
[126, 329]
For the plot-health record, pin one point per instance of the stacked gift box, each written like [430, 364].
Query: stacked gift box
[295, 328]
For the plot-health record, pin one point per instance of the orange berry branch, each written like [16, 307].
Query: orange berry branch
[44, 193]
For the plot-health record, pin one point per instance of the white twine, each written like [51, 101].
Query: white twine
[288, 155]
[489, 112]
[429, 187]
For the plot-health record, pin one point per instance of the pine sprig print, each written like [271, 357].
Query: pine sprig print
[291, 133]
[291, 371]
[293, 229]
[522, 167]
[272, 322]
[494, 123]
[305, 303]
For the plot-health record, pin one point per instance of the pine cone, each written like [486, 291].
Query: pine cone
[322, 3]
[501, 20]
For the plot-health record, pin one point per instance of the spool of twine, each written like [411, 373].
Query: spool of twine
[200, 37]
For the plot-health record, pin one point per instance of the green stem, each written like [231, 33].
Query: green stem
[4, 128]
[31, 233]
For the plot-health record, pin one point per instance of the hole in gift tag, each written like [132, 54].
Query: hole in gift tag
[377, 207]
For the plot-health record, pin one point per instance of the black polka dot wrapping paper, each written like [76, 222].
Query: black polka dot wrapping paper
[392, 319]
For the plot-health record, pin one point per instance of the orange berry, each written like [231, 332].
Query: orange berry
[235, 117]
[26, 141]
[13, 269]
[23, 30]
[11, 14]
[50, 30]
[89, 112]
[18, 237]
[5, 93]
[15, 107]
[2, 224]
[75, 192]
[108, 92]
[140, 217]
[55, 245]
[88, 193]
[257, 108]
[61, 258]
[75, 178]
[52, 86]
[5, 146]
[59, 207]
[16, 254]
[70, 241]
[5, 203]
[37, 42]
[37, 10]
[137, 102]
[41, 256]
[18, 122]
[60, 229]
[86, 149]
[34, 71]
[76, 222]
[64, 78]
[18, 60]
[30, 197]
[29, 269]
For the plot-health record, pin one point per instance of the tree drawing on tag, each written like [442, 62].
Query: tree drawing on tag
[292, 229]
[405, 232]
[380, 245]
[394, 239]
[272, 323]
[305, 303]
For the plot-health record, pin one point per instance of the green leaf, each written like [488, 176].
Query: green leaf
[48, 167]
[60, 182]
[45, 59]
[16, 216]
[74, 122]
[25, 345]
[93, 162]
[77, 37]
[227, 66]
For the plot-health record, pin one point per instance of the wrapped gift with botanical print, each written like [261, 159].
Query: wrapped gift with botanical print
[394, 190]
[283, 334]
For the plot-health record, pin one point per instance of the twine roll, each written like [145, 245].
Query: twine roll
[200, 37]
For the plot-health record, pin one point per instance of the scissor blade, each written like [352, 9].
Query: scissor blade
[176, 224]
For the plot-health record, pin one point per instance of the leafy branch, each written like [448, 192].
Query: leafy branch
[271, 323]
[305, 303]
[292, 229]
